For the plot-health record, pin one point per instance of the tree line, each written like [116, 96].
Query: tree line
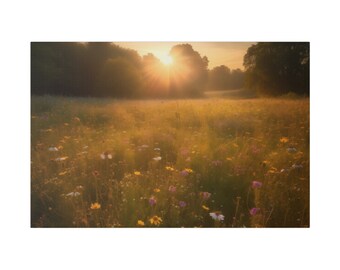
[104, 69]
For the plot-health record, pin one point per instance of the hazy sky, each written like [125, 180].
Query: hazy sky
[219, 53]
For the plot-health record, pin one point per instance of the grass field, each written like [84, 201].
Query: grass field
[186, 163]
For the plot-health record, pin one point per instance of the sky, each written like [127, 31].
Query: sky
[229, 54]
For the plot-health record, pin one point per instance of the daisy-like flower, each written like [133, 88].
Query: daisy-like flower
[140, 223]
[73, 194]
[205, 208]
[137, 173]
[155, 220]
[61, 158]
[256, 184]
[254, 211]
[172, 189]
[53, 149]
[157, 158]
[217, 216]
[105, 155]
[168, 168]
[205, 195]
[152, 201]
[95, 206]
[182, 204]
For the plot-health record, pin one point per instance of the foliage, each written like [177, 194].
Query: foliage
[276, 68]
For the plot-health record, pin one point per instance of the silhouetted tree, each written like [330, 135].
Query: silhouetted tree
[278, 67]
[189, 73]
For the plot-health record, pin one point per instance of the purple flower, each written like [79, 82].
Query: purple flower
[254, 211]
[184, 173]
[256, 184]
[172, 189]
[152, 201]
[182, 204]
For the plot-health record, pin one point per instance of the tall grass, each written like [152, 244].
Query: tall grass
[185, 163]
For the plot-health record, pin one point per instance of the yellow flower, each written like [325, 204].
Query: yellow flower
[137, 173]
[284, 140]
[95, 206]
[155, 220]
[188, 170]
[229, 158]
[156, 190]
[140, 223]
[205, 208]
[169, 168]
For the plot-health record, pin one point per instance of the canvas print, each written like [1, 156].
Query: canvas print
[170, 134]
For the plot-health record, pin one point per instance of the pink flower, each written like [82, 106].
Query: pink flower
[205, 195]
[217, 216]
[256, 184]
[254, 211]
[152, 201]
[172, 189]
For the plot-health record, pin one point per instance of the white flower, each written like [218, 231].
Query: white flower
[145, 146]
[73, 194]
[109, 156]
[291, 149]
[61, 158]
[157, 158]
[157, 149]
[216, 216]
[102, 156]
[295, 166]
[53, 149]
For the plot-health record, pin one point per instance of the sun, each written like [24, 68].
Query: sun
[166, 59]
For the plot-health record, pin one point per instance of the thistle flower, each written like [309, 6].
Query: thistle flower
[256, 184]
[182, 204]
[155, 220]
[254, 211]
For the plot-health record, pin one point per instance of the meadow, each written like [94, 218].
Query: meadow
[210, 162]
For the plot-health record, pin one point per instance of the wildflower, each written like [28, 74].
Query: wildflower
[186, 172]
[53, 149]
[152, 201]
[140, 223]
[155, 220]
[205, 208]
[216, 163]
[137, 173]
[217, 216]
[291, 149]
[145, 146]
[76, 119]
[229, 158]
[254, 211]
[95, 173]
[95, 206]
[284, 140]
[61, 158]
[157, 158]
[156, 190]
[63, 173]
[205, 195]
[256, 184]
[72, 194]
[168, 168]
[105, 155]
[296, 166]
[189, 170]
[157, 149]
[182, 204]
[184, 152]
[172, 189]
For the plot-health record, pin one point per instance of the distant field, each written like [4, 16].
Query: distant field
[188, 163]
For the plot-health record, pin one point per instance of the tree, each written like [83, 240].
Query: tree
[277, 68]
[189, 73]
